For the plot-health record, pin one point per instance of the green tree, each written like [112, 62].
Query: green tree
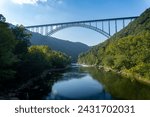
[7, 57]
[127, 51]
[40, 58]
[22, 38]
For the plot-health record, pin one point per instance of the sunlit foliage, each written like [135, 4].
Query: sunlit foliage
[127, 51]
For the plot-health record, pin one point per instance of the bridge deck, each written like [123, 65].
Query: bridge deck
[86, 21]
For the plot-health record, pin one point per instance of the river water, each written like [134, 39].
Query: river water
[84, 83]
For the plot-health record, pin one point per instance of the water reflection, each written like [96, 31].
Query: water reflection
[78, 84]
[119, 87]
[91, 83]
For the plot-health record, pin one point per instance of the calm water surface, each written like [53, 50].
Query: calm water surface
[92, 84]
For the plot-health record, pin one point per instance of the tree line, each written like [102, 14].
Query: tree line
[19, 60]
[128, 51]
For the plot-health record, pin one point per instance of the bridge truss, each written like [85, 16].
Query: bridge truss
[106, 27]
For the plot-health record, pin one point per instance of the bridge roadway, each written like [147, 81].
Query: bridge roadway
[106, 27]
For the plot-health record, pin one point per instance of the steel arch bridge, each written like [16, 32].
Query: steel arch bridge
[106, 27]
[79, 25]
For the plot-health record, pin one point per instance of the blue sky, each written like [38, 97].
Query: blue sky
[32, 12]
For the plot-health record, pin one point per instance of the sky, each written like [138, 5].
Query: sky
[37, 12]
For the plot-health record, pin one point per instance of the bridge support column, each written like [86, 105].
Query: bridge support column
[41, 30]
[102, 25]
[37, 29]
[46, 30]
[96, 24]
[109, 27]
[32, 29]
[116, 30]
[123, 23]
[51, 28]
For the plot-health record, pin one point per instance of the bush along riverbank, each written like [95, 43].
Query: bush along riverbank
[127, 52]
[22, 64]
[126, 74]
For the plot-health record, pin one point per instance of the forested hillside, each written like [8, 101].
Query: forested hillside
[19, 61]
[128, 51]
[72, 49]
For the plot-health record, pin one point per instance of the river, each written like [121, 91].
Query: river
[85, 83]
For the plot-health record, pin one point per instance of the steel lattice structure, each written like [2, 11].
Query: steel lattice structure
[102, 26]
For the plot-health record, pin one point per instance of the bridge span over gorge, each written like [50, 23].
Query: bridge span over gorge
[106, 27]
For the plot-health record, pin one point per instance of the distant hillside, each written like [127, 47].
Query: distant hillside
[127, 51]
[72, 49]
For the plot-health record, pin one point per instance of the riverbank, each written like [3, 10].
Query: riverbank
[34, 85]
[15, 93]
[132, 76]
[122, 73]
[84, 65]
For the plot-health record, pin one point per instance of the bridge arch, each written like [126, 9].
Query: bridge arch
[96, 25]
[61, 27]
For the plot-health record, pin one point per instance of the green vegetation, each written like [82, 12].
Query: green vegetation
[119, 87]
[40, 58]
[7, 57]
[72, 49]
[20, 61]
[128, 51]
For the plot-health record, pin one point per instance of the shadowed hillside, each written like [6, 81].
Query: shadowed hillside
[72, 49]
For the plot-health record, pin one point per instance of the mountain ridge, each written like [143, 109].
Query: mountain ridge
[128, 51]
[72, 49]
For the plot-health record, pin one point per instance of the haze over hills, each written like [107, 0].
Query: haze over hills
[72, 49]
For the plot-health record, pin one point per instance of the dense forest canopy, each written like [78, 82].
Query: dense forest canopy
[127, 51]
[20, 60]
